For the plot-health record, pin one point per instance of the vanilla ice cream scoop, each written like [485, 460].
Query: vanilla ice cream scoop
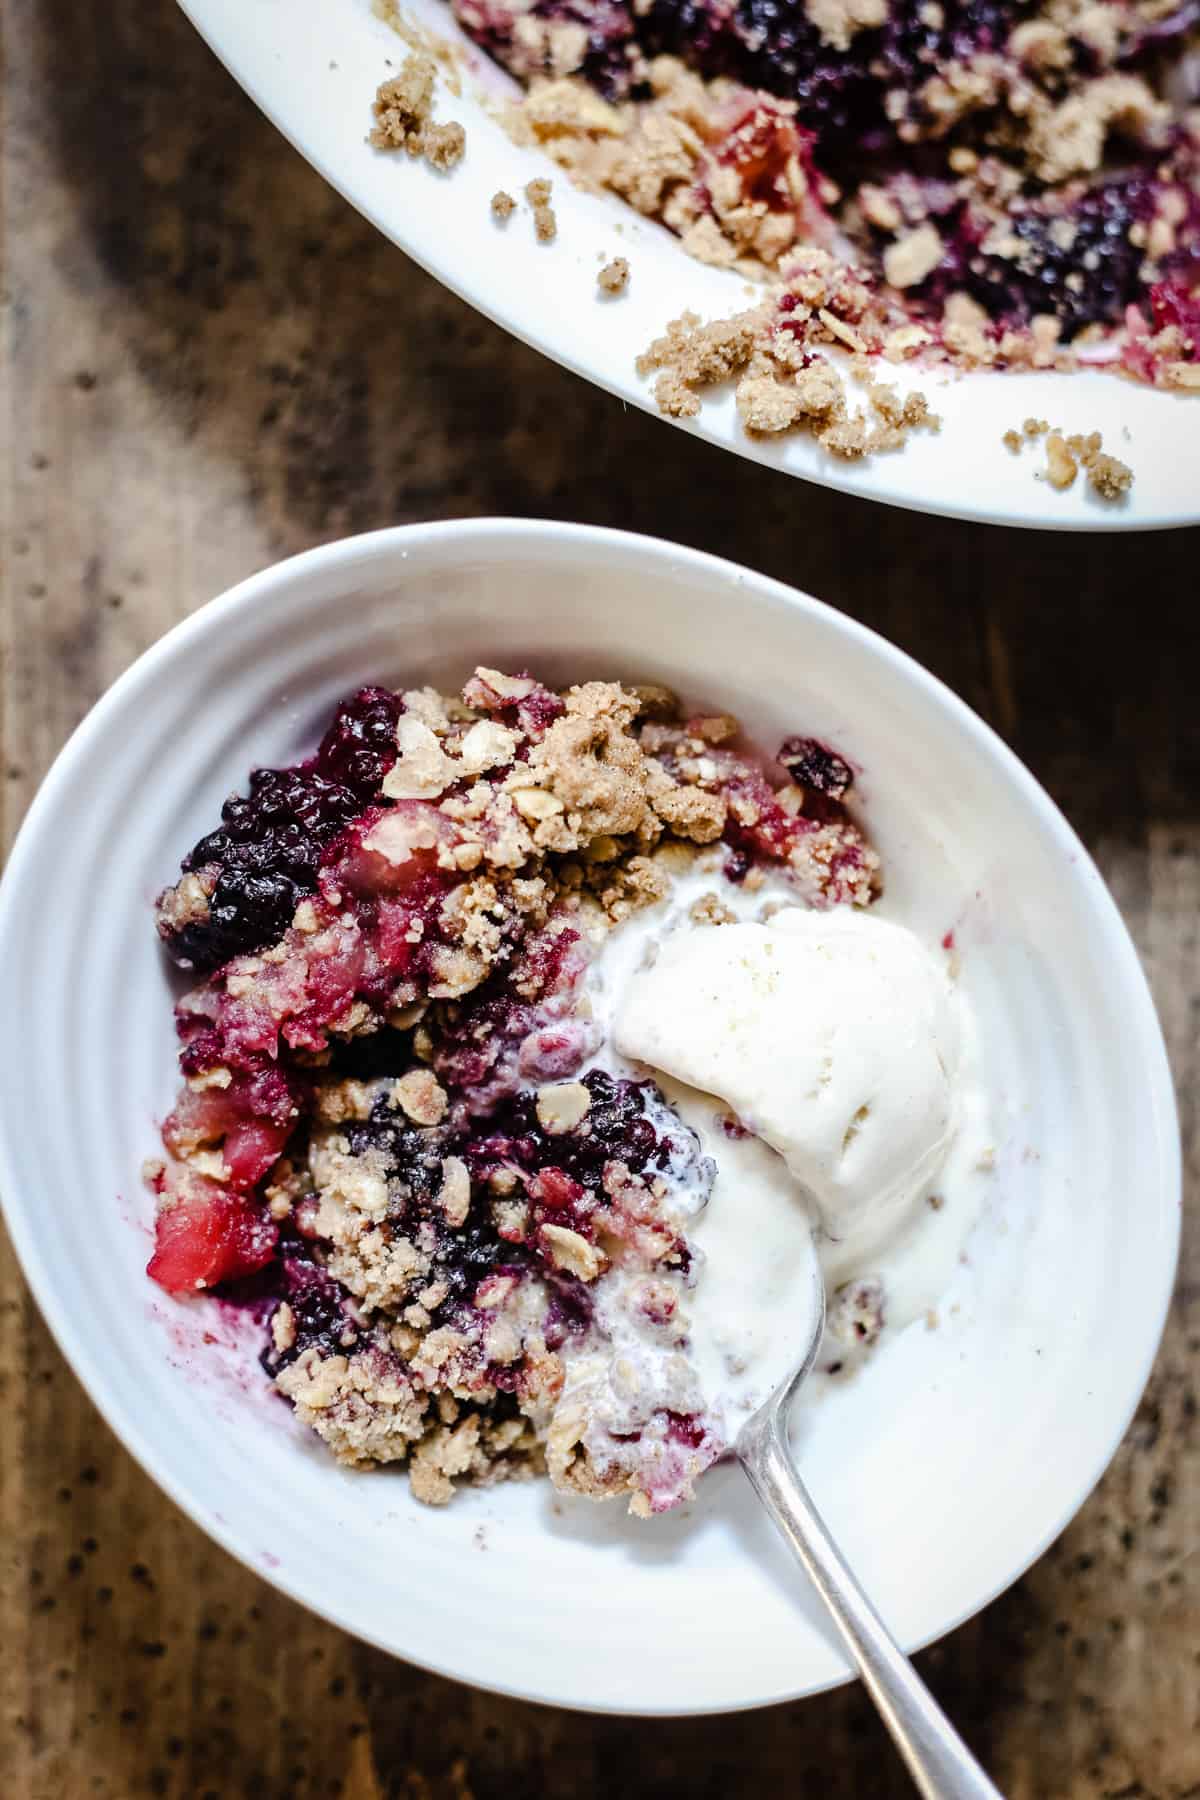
[832, 1036]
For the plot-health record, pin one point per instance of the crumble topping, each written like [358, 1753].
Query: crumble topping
[545, 222]
[420, 1097]
[445, 144]
[783, 380]
[908, 260]
[503, 205]
[837, 21]
[389, 1123]
[403, 111]
[613, 278]
[1107, 475]
[856, 1315]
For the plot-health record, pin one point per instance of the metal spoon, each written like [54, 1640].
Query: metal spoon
[938, 1761]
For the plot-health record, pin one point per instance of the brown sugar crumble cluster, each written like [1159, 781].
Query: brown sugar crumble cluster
[1107, 475]
[613, 278]
[537, 194]
[545, 223]
[403, 112]
[772, 352]
[393, 1144]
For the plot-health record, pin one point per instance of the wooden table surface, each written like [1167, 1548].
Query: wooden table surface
[210, 362]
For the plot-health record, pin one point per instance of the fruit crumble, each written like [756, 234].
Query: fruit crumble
[997, 183]
[1020, 179]
[473, 1233]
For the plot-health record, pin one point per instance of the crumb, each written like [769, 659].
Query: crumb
[420, 1096]
[1109, 476]
[1013, 441]
[503, 205]
[693, 355]
[403, 108]
[455, 1194]
[1034, 428]
[858, 1313]
[613, 278]
[710, 909]
[910, 259]
[402, 105]
[839, 20]
[545, 220]
[445, 144]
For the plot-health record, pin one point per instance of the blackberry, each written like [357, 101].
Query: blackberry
[413, 1153]
[839, 94]
[607, 24]
[360, 746]
[812, 765]
[774, 45]
[615, 1129]
[267, 851]
[1087, 279]
[269, 845]
[919, 39]
[693, 31]
[465, 1256]
[618, 1126]
[318, 1305]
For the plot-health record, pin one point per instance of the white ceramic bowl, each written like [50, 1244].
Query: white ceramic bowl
[313, 67]
[961, 1451]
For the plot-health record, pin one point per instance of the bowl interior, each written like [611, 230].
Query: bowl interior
[317, 84]
[923, 1464]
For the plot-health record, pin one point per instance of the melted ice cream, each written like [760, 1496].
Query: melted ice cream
[832, 1037]
[825, 1062]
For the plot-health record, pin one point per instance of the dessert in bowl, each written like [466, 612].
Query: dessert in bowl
[536, 1037]
[1035, 1350]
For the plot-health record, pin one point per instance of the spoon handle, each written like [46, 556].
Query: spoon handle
[938, 1761]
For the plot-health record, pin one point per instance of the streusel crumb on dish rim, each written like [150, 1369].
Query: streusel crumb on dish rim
[393, 1138]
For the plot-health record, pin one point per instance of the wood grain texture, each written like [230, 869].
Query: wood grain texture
[208, 362]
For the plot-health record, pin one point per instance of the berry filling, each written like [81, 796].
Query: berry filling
[266, 853]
